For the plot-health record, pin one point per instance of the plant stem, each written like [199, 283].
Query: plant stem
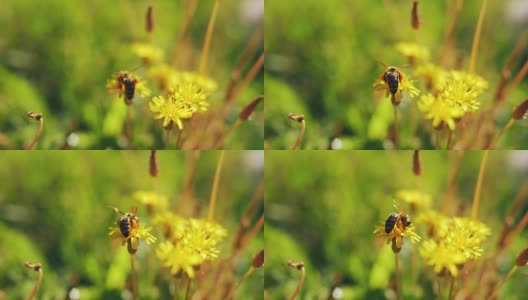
[134, 279]
[37, 285]
[208, 37]
[452, 288]
[397, 277]
[449, 139]
[250, 75]
[299, 285]
[129, 127]
[299, 138]
[221, 140]
[496, 289]
[37, 136]
[478, 187]
[476, 38]
[501, 133]
[233, 290]
[214, 190]
[188, 290]
[179, 138]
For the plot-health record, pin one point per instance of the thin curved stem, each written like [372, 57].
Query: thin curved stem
[37, 285]
[396, 126]
[134, 279]
[299, 138]
[478, 187]
[208, 37]
[501, 133]
[233, 290]
[299, 285]
[476, 38]
[496, 289]
[214, 190]
[397, 277]
[37, 136]
[188, 290]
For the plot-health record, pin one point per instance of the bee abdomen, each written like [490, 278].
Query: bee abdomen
[130, 88]
[124, 226]
[391, 222]
[393, 80]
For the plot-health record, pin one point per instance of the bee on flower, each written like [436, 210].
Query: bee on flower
[129, 231]
[398, 225]
[126, 84]
[394, 82]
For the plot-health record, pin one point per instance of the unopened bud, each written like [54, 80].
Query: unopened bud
[36, 116]
[520, 111]
[153, 164]
[258, 260]
[522, 258]
[417, 166]
[248, 109]
[150, 20]
[415, 19]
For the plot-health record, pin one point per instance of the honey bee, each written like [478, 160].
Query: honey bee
[400, 220]
[127, 222]
[128, 85]
[392, 78]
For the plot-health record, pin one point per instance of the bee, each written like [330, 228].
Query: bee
[127, 222]
[392, 78]
[399, 219]
[128, 85]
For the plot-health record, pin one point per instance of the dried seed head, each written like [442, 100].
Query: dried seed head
[522, 258]
[415, 19]
[298, 118]
[520, 111]
[296, 265]
[34, 267]
[36, 116]
[258, 260]
[248, 109]
[150, 20]
[153, 164]
[417, 166]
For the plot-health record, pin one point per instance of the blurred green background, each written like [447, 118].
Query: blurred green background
[321, 62]
[56, 55]
[322, 208]
[56, 209]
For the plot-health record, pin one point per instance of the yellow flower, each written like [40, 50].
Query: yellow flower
[456, 241]
[148, 53]
[172, 112]
[442, 258]
[462, 89]
[432, 219]
[440, 111]
[171, 223]
[414, 198]
[178, 258]
[413, 51]
[434, 76]
[193, 90]
[164, 74]
[194, 243]
[151, 199]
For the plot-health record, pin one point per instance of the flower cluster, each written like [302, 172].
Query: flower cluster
[457, 95]
[189, 94]
[456, 241]
[193, 242]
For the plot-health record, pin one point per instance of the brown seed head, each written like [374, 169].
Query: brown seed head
[417, 166]
[34, 267]
[298, 118]
[296, 265]
[258, 260]
[415, 19]
[36, 116]
[248, 109]
[522, 258]
[150, 20]
[520, 111]
[153, 164]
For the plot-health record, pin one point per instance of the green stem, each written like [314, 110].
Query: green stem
[478, 187]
